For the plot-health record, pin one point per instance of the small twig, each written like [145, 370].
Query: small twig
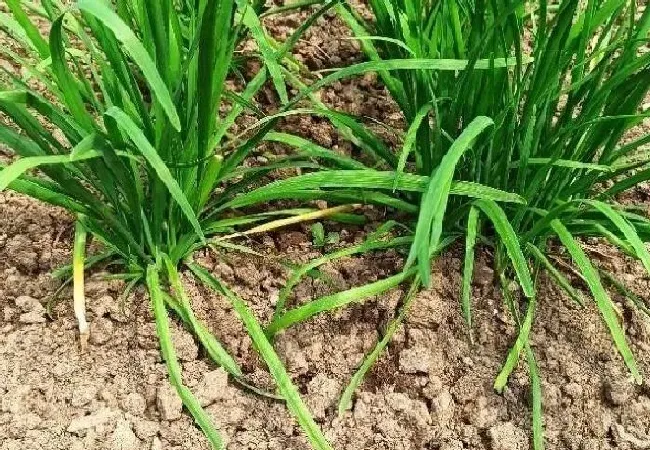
[567, 266]
[596, 251]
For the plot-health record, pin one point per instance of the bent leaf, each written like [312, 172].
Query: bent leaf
[603, 301]
[142, 143]
[138, 53]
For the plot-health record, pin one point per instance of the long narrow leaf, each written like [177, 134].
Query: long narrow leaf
[371, 358]
[511, 242]
[434, 201]
[559, 278]
[626, 228]
[279, 373]
[600, 295]
[152, 157]
[214, 348]
[137, 52]
[173, 366]
[520, 344]
[335, 301]
[536, 396]
[468, 267]
[19, 167]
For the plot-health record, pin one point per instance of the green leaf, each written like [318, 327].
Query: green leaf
[214, 348]
[452, 65]
[137, 52]
[559, 278]
[252, 22]
[626, 292]
[311, 149]
[564, 163]
[536, 397]
[318, 234]
[67, 84]
[479, 191]
[626, 228]
[468, 267]
[346, 398]
[297, 275]
[335, 301]
[520, 344]
[15, 30]
[30, 29]
[41, 191]
[142, 144]
[434, 201]
[264, 347]
[365, 138]
[22, 165]
[215, 51]
[385, 39]
[365, 179]
[603, 301]
[509, 239]
[173, 366]
[391, 329]
[409, 141]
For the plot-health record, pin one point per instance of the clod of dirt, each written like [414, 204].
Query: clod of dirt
[507, 436]
[591, 444]
[31, 317]
[170, 405]
[96, 419]
[443, 408]
[29, 304]
[322, 393]
[83, 395]
[19, 250]
[101, 331]
[433, 388]
[15, 400]
[106, 306]
[465, 390]
[22, 423]
[8, 313]
[484, 414]
[145, 429]
[628, 438]
[483, 274]
[415, 360]
[453, 444]
[123, 437]
[212, 387]
[134, 403]
[32, 310]
[186, 348]
[108, 396]
[572, 390]
[296, 360]
[410, 408]
[618, 392]
[146, 336]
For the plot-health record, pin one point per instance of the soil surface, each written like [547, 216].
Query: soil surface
[430, 390]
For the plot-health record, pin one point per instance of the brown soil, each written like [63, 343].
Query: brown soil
[430, 390]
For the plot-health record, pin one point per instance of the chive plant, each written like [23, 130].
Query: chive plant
[118, 108]
[563, 84]
[580, 72]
